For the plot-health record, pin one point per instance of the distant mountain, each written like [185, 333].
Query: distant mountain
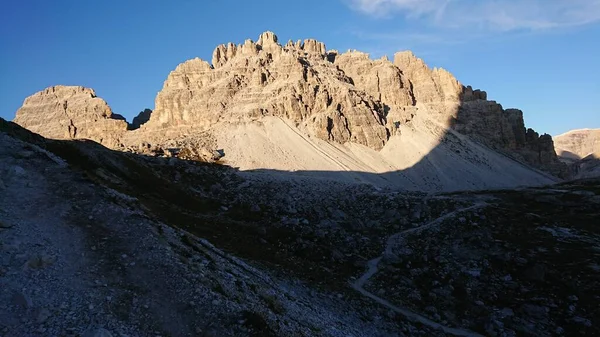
[580, 149]
[578, 144]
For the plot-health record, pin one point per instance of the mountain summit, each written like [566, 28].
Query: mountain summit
[301, 107]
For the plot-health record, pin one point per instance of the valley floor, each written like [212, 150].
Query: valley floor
[95, 242]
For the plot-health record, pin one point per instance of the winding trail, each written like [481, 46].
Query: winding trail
[410, 315]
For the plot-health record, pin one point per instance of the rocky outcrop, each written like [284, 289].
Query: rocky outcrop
[70, 112]
[505, 131]
[429, 85]
[382, 80]
[577, 144]
[580, 149]
[341, 98]
[408, 87]
[252, 80]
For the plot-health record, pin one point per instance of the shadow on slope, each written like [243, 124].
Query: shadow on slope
[424, 152]
[324, 234]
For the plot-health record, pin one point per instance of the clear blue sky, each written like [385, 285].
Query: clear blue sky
[542, 56]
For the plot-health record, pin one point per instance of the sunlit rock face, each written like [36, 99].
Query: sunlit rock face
[578, 144]
[69, 112]
[252, 80]
[336, 97]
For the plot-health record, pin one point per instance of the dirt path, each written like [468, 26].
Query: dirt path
[373, 268]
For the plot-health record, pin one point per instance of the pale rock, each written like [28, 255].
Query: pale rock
[340, 98]
[469, 112]
[314, 47]
[70, 112]
[382, 80]
[314, 94]
[577, 144]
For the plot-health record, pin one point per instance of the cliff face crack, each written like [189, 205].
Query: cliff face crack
[71, 128]
[378, 86]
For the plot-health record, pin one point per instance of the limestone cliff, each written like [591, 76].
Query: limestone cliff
[408, 87]
[335, 97]
[69, 112]
[252, 80]
[577, 144]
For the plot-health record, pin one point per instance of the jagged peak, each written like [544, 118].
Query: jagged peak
[267, 38]
[408, 59]
[357, 54]
[314, 46]
[62, 91]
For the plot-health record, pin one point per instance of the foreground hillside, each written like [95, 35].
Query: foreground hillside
[97, 242]
[302, 108]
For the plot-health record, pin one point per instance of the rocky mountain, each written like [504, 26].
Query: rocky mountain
[299, 107]
[577, 144]
[91, 238]
[68, 112]
[580, 149]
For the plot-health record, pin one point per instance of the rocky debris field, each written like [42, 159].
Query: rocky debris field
[96, 242]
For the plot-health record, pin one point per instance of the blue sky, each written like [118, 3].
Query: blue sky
[541, 56]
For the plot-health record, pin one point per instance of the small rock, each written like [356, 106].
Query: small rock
[255, 208]
[39, 262]
[216, 188]
[431, 309]
[43, 315]
[100, 332]
[337, 214]
[19, 171]
[507, 312]
[583, 321]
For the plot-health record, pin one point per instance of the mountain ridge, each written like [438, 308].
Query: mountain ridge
[344, 98]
